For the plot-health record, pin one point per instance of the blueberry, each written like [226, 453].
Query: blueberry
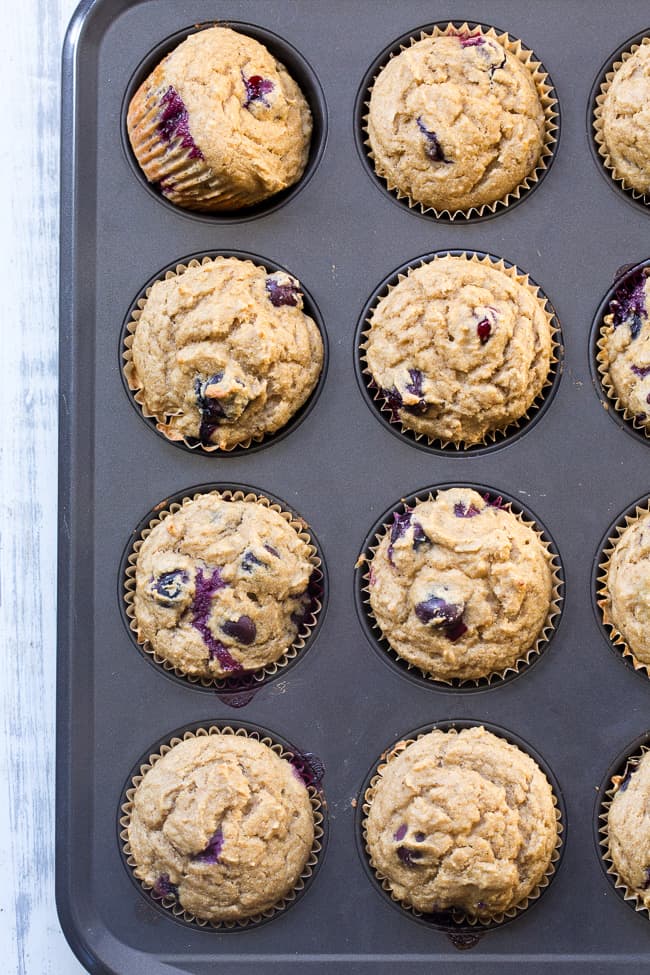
[420, 837]
[163, 887]
[438, 612]
[455, 631]
[483, 330]
[628, 304]
[497, 502]
[470, 40]
[169, 586]
[212, 851]
[257, 88]
[420, 537]
[394, 401]
[646, 884]
[173, 123]
[308, 767]
[401, 524]
[211, 409]
[415, 388]
[249, 561]
[408, 857]
[462, 511]
[205, 588]
[272, 551]
[243, 630]
[641, 371]
[283, 292]
[432, 148]
[400, 832]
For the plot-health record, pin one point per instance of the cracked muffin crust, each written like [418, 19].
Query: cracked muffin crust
[222, 587]
[459, 349]
[455, 122]
[224, 353]
[625, 347]
[628, 588]
[220, 124]
[460, 587]
[223, 825]
[462, 820]
[625, 120]
[629, 830]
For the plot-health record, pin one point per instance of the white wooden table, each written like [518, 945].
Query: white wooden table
[31, 942]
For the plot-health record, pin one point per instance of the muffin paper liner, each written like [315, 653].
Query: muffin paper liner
[598, 124]
[498, 433]
[603, 597]
[189, 183]
[602, 360]
[317, 802]
[548, 101]
[628, 894]
[456, 916]
[522, 662]
[262, 674]
[161, 419]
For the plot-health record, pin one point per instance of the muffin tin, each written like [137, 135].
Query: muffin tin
[342, 234]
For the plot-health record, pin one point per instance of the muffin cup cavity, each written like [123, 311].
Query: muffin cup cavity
[455, 920]
[545, 90]
[247, 681]
[596, 123]
[160, 422]
[302, 73]
[624, 766]
[380, 642]
[168, 904]
[602, 328]
[493, 439]
[601, 585]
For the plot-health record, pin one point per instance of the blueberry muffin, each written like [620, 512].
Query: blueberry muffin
[220, 124]
[627, 600]
[459, 349]
[624, 356]
[462, 820]
[223, 353]
[455, 121]
[459, 587]
[624, 120]
[222, 586]
[628, 825]
[222, 825]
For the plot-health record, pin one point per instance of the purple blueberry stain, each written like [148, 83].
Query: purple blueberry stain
[470, 40]
[173, 123]
[400, 832]
[283, 293]
[212, 851]
[205, 588]
[461, 510]
[394, 402]
[432, 147]
[641, 371]
[408, 857]
[169, 586]
[163, 887]
[272, 551]
[308, 767]
[243, 630]
[628, 304]
[257, 88]
[497, 502]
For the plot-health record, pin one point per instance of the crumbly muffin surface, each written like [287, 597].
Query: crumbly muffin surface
[455, 122]
[221, 586]
[459, 587]
[224, 352]
[220, 124]
[628, 587]
[629, 830]
[627, 347]
[459, 348]
[626, 120]
[223, 825]
[462, 820]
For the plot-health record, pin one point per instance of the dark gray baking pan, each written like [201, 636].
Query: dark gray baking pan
[341, 468]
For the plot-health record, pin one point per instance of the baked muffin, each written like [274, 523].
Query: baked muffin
[462, 820]
[455, 121]
[222, 586]
[629, 831]
[223, 825]
[625, 347]
[459, 587]
[459, 349]
[224, 353]
[625, 120]
[220, 124]
[627, 603]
